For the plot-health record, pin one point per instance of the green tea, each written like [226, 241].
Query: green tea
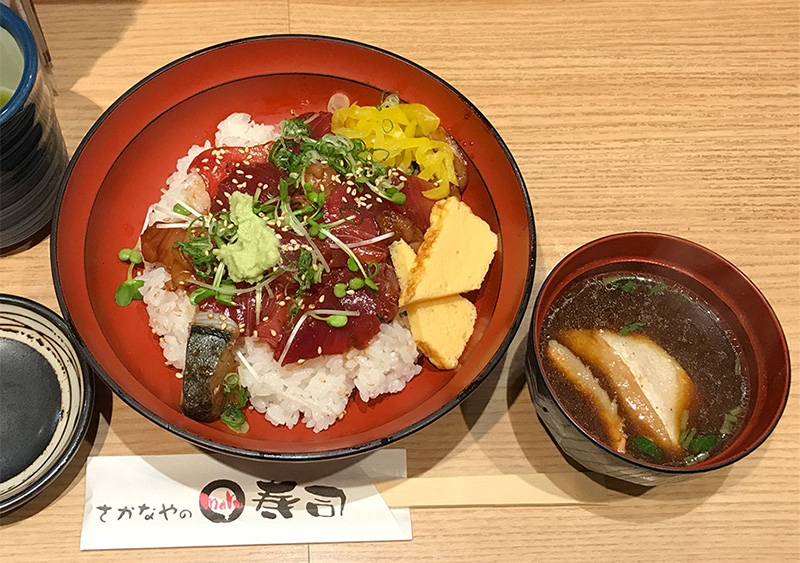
[5, 96]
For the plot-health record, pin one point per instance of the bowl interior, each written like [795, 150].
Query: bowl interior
[125, 160]
[739, 305]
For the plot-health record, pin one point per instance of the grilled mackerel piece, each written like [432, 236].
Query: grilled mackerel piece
[209, 358]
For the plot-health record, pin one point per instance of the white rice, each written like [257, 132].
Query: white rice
[239, 130]
[318, 389]
[170, 314]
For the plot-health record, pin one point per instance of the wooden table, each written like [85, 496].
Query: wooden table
[676, 116]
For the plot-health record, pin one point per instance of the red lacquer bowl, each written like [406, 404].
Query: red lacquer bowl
[125, 159]
[741, 308]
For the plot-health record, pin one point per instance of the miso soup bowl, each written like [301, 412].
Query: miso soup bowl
[736, 301]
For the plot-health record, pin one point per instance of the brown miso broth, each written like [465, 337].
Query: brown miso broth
[684, 327]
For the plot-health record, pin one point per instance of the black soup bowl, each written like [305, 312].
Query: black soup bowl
[727, 293]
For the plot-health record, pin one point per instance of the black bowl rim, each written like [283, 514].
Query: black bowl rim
[661, 469]
[305, 456]
[86, 406]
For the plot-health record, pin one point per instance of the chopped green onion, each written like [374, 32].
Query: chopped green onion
[689, 437]
[181, 210]
[692, 459]
[234, 419]
[295, 128]
[231, 380]
[726, 428]
[684, 420]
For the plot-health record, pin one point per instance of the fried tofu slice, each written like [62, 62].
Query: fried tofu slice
[454, 256]
[649, 384]
[584, 381]
[441, 327]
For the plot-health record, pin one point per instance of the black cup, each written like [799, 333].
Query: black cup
[33, 156]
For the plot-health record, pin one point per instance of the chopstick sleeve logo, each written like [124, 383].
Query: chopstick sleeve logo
[225, 509]
[276, 499]
[222, 501]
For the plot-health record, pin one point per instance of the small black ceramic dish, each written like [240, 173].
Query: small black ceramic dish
[46, 394]
[580, 332]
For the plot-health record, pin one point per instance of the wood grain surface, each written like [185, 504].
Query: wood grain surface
[681, 117]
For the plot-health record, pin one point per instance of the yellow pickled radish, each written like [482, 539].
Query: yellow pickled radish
[400, 133]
